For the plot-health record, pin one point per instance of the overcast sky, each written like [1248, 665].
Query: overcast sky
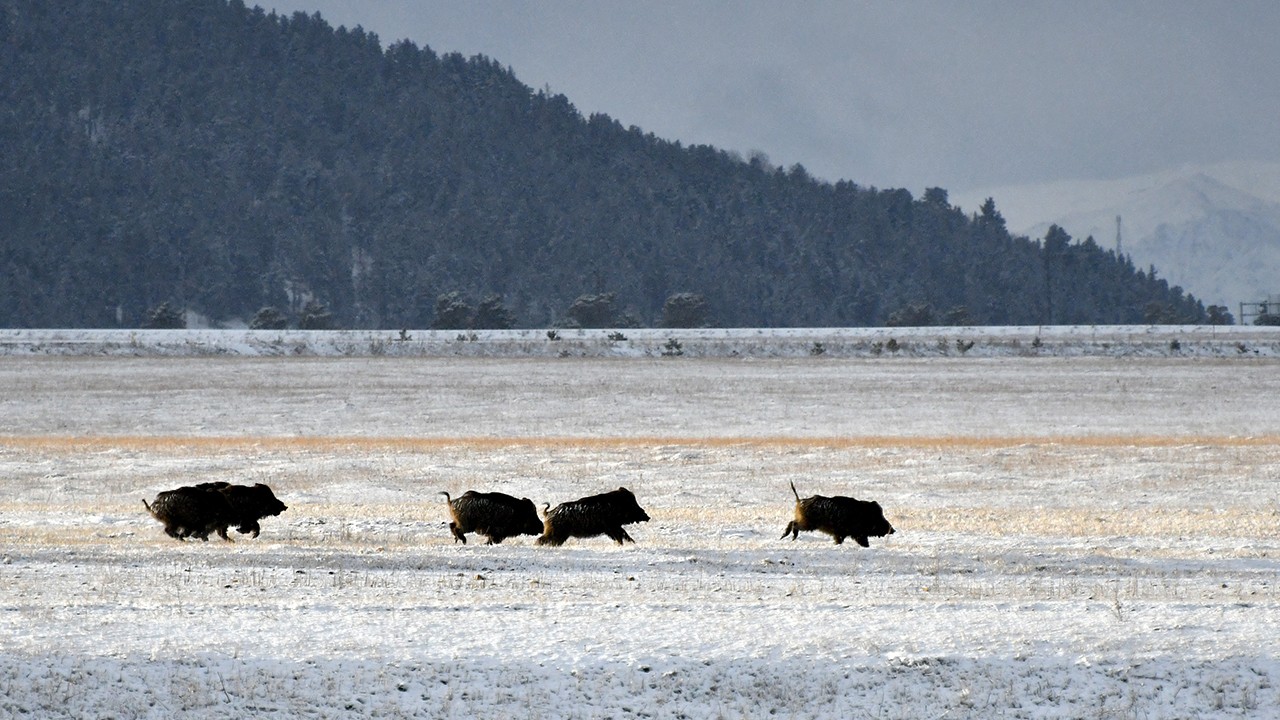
[961, 95]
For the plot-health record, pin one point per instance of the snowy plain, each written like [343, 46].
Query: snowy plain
[1088, 524]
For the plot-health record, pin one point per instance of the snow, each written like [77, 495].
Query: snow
[1082, 532]
[1145, 201]
[1212, 229]
[980, 341]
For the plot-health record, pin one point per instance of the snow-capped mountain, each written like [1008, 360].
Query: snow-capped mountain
[1213, 230]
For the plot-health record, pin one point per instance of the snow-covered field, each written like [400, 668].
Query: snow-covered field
[1029, 341]
[1080, 534]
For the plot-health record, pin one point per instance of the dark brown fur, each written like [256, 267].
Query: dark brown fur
[191, 512]
[196, 511]
[603, 514]
[249, 504]
[495, 515]
[839, 517]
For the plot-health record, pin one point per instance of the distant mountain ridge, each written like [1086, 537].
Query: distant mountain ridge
[163, 160]
[1213, 230]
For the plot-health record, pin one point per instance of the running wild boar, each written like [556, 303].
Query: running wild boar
[495, 515]
[839, 517]
[249, 504]
[191, 512]
[213, 507]
[603, 514]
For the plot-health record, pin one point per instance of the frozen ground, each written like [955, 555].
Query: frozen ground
[1044, 341]
[1086, 536]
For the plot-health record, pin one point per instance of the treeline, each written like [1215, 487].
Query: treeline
[215, 158]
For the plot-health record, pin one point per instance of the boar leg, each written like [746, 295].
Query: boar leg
[457, 534]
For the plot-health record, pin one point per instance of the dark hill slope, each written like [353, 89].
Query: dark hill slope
[222, 159]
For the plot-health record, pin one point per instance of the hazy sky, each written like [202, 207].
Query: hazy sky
[961, 95]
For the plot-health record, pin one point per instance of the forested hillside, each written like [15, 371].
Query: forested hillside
[220, 159]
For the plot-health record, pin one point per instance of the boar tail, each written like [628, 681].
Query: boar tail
[446, 496]
[793, 491]
[148, 507]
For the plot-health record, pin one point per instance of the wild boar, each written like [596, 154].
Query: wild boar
[191, 512]
[839, 517]
[603, 514]
[249, 504]
[495, 515]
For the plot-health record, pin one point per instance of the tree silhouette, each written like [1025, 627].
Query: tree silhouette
[453, 312]
[684, 310]
[315, 316]
[491, 314]
[165, 317]
[269, 318]
[593, 311]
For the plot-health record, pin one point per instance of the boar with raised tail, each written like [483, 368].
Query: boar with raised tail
[191, 512]
[840, 517]
[495, 515]
[603, 514]
[249, 504]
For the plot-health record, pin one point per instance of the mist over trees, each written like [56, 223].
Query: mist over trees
[214, 159]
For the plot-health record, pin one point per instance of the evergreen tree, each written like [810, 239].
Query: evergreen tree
[491, 314]
[452, 312]
[593, 311]
[684, 310]
[315, 316]
[165, 317]
[269, 318]
[913, 315]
